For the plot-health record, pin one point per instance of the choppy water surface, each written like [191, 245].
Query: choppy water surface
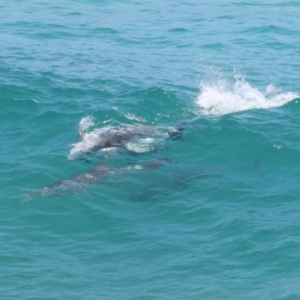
[211, 215]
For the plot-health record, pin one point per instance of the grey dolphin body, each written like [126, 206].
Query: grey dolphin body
[95, 176]
[109, 137]
[79, 181]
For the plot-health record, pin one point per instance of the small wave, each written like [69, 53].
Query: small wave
[220, 98]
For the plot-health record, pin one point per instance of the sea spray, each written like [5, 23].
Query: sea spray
[220, 98]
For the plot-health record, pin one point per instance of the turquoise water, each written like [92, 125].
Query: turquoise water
[218, 216]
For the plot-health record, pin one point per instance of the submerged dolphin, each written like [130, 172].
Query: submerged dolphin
[95, 176]
[129, 136]
[79, 181]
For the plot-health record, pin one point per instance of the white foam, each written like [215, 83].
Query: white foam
[219, 98]
[141, 146]
[133, 117]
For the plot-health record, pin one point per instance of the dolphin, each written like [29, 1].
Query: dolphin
[79, 181]
[112, 137]
[95, 176]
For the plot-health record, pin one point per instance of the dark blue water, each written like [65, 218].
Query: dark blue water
[212, 214]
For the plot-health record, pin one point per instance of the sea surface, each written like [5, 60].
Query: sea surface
[212, 214]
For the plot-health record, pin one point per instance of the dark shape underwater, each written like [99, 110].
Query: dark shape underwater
[96, 175]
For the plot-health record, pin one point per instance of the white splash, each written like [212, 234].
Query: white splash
[142, 145]
[220, 98]
[133, 117]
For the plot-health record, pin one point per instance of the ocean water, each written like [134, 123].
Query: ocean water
[211, 215]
